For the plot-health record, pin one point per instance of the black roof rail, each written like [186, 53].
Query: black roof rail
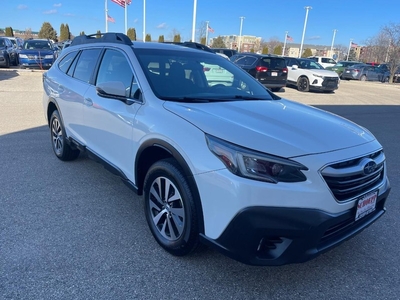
[109, 37]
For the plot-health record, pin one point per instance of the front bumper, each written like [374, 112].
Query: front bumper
[328, 84]
[27, 63]
[276, 236]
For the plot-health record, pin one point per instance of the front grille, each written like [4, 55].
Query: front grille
[330, 82]
[354, 177]
[35, 57]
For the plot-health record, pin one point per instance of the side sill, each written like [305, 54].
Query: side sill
[106, 164]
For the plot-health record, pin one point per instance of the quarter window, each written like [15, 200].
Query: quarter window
[66, 61]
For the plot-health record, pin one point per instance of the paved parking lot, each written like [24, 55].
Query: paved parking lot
[74, 231]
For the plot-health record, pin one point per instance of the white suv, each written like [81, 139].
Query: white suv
[265, 180]
[306, 75]
[323, 61]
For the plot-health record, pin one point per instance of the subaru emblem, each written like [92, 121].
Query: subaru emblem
[369, 167]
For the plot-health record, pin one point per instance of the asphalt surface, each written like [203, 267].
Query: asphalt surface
[74, 231]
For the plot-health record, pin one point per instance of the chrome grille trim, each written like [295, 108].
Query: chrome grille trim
[348, 179]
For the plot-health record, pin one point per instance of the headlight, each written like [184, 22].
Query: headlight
[319, 76]
[49, 56]
[255, 165]
[23, 56]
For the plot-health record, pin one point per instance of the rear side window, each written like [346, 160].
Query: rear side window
[86, 64]
[66, 61]
[246, 61]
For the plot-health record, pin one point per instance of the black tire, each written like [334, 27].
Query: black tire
[173, 221]
[61, 148]
[275, 89]
[363, 78]
[7, 58]
[303, 85]
[15, 62]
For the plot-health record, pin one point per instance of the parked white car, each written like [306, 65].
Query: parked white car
[306, 75]
[324, 61]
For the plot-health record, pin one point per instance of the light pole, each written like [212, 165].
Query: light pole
[304, 29]
[348, 52]
[333, 40]
[240, 33]
[144, 20]
[194, 20]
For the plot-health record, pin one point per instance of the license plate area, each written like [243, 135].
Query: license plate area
[366, 204]
[274, 73]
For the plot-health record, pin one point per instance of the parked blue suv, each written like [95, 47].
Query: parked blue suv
[37, 53]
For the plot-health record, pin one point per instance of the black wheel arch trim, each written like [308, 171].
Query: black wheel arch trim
[172, 152]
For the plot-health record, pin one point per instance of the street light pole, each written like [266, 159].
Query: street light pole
[348, 52]
[333, 40]
[304, 29]
[194, 20]
[240, 33]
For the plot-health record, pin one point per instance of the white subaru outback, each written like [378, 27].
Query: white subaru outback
[265, 180]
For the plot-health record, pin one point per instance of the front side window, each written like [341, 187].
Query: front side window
[114, 67]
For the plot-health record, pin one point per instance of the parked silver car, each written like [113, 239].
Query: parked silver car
[363, 72]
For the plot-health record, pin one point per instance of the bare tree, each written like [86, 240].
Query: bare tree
[28, 33]
[385, 47]
[202, 30]
[392, 32]
[272, 43]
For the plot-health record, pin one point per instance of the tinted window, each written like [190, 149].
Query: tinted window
[115, 67]
[86, 64]
[246, 61]
[66, 61]
[274, 63]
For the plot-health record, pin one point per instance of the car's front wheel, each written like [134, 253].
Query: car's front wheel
[170, 208]
[59, 139]
[303, 85]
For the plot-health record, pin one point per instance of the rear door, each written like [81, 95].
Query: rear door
[109, 121]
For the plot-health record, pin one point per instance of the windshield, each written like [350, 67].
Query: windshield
[37, 45]
[309, 64]
[198, 77]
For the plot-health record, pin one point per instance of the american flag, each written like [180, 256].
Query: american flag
[110, 19]
[210, 29]
[122, 2]
[353, 45]
[289, 38]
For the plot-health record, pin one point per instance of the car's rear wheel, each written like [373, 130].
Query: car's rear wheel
[170, 208]
[363, 78]
[303, 85]
[59, 139]
[275, 89]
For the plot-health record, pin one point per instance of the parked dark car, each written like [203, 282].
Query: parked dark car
[396, 76]
[8, 53]
[227, 52]
[341, 65]
[364, 72]
[270, 70]
[38, 53]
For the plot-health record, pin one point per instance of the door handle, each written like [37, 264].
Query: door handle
[88, 101]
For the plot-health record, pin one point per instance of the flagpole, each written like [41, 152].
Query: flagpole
[284, 44]
[348, 52]
[106, 15]
[207, 33]
[126, 17]
[144, 20]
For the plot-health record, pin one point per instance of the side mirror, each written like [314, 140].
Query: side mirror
[111, 88]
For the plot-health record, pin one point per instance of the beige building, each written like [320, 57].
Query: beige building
[246, 42]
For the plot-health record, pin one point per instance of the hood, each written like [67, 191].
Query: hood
[280, 127]
[43, 52]
[323, 72]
